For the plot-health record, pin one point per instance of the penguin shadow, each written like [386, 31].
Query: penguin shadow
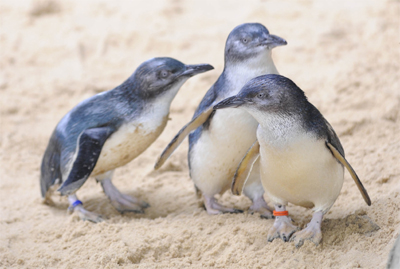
[335, 231]
[161, 206]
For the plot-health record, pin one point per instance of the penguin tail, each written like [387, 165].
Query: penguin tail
[50, 169]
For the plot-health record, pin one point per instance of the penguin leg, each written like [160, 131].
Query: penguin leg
[255, 191]
[283, 226]
[214, 208]
[121, 202]
[312, 231]
[76, 206]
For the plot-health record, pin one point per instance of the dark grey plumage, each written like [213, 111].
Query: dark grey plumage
[285, 97]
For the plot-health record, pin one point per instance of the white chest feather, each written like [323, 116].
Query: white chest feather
[239, 74]
[296, 167]
[126, 144]
[219, 150]
[135, 136]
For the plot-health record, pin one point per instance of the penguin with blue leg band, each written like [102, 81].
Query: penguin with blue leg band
[111, 129]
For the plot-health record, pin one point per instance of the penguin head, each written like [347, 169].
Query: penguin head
[250, 40]
[161, 75]
[268, 94]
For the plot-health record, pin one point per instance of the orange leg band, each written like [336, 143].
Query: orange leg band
[280, 213]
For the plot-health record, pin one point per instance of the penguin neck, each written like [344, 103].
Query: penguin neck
[162, 102]
[277, 128]
[127, 91]
[156, 110]
[239, 73]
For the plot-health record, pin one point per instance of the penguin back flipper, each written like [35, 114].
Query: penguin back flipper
[50, 168]
[244, 168]
[185, 131]
[90, 144]
[353, 174]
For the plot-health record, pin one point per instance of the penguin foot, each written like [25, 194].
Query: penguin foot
[77, 206]
[282, 228]
[259, 205]
[122, 202]
[214, 208]
[87, 215]
[312, 232]
[125, 203]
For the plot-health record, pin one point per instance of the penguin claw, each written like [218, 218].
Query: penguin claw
[235, 211]
[282, 228]
[124, 206]
[97, 219]
[144, 204]
[267, 216]
[225, 210]
[311, 232]
[122, 211]
[87, 215]
[259, 205]
[264, 213]
[214, 208]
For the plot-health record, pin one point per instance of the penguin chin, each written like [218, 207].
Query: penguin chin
[169, 92]
[258, 58]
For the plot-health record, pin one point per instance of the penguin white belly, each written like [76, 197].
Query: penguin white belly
[301, 171]
[218, 152]
[128, 142]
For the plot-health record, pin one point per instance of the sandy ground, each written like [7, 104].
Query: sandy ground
[344, 54]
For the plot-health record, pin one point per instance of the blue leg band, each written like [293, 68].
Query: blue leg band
[75, 204]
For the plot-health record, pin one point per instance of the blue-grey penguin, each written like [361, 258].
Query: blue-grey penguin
[109, 130]
[301, 158]
[218, 141]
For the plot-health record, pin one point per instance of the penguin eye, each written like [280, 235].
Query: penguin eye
[164, 73]
[245, 40]
[260, 95]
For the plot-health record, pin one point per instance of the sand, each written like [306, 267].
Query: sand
[343, 54]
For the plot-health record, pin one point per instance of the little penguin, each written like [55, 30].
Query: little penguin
[301, 158]
[111, 129]
[218, 141]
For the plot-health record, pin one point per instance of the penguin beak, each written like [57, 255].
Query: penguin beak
[273, 41]
[233, 101]
[192, 70]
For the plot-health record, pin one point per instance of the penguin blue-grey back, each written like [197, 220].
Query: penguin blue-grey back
[301, 158]
[217, 141]
[109, 130]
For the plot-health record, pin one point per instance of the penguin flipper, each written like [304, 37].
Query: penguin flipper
[353, 174]
[90, 144]
[50, 168]
[244, 168]
[185, 131]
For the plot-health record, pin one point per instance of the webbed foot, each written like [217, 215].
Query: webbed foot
[283, 227]
[214, 208]
[312, 232]
[259, 205]
[122, 202]
[77, 206]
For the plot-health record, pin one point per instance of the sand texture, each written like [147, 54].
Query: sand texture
[344, 54]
